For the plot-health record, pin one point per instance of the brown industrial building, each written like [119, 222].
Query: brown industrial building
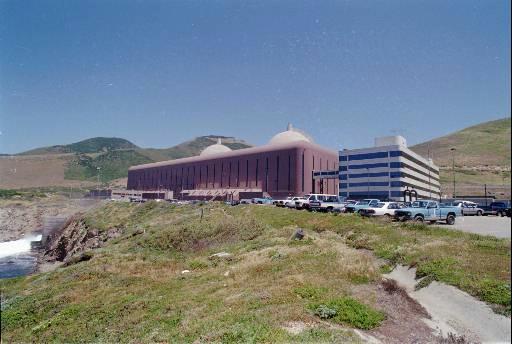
[281, 168]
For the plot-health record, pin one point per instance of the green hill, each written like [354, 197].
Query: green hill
[193, 147]
[486, 144]
[482, 156]
[114, 163]
[92, 145]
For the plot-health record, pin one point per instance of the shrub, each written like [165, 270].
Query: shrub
[325, 312]
[5, 193]
[197, 264]
[310, 292]
[439, 269]
[495, 292]
[352, 312]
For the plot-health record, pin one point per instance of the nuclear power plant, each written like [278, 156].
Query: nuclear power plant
[282, 167]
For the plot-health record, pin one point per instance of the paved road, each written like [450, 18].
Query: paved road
[486, 225]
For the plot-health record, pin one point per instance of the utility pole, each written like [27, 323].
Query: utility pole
[429, 167]
[98, 175]
[453, 169]
[485, 191]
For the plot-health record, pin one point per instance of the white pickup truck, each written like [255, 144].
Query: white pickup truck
[328, 203]
[305, 203]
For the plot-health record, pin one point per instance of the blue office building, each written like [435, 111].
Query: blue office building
[387, 171]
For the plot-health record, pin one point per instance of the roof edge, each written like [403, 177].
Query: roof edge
[235, 153]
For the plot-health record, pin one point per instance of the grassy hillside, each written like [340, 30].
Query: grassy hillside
[134, 288]
[73, 164]
[193, 147]
[92, 145]
[112, 164]
[482, 156]
[486, 144]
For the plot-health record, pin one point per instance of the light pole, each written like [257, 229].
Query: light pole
[429, 167]
[98, 175]
[453, 168]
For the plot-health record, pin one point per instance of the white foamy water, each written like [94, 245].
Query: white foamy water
[12, 248]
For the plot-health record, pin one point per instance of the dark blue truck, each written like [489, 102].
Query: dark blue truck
[497, 208]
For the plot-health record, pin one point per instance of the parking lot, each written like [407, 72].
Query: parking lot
[485, 225]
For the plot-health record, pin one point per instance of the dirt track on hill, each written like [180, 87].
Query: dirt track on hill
[35, 171]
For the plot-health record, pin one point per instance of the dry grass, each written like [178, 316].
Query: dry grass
[134, 289]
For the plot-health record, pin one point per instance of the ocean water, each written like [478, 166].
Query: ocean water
[17, 257]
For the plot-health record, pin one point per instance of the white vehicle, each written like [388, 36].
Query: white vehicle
[468, 208]
[291, 203]
[327, 203]
[304, 203]
[281, 202]
[246, 201]
[381, 209]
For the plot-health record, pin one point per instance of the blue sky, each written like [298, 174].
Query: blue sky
[161, 72]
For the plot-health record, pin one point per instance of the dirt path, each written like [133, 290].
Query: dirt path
[455, 311]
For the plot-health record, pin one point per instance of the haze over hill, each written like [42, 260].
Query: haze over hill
[482, 157]
[77, 164]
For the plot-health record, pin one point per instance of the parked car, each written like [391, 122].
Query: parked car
[430, 211]
[232, 203]
[327, 204]
[291, 203]
[281, 202]
[365, 203]
[497, 208]
[246, 201]
[119, 199]
[404, 204]
[468, 208]
[304, 203]
[262, 200]
[381, 209]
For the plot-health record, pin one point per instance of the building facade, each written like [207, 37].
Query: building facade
[387, 171]
[283, 167]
